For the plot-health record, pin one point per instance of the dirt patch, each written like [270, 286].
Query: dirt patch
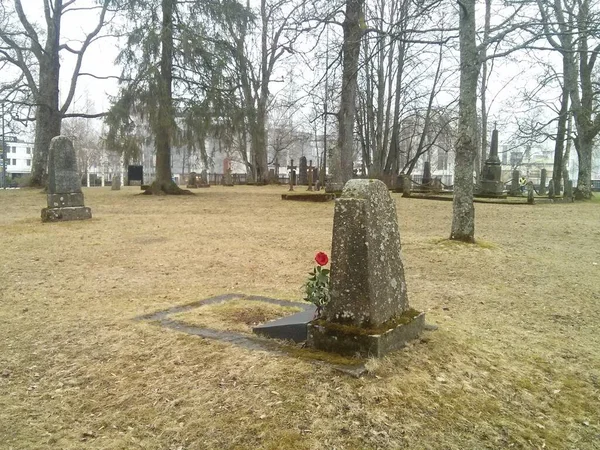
[234, 315]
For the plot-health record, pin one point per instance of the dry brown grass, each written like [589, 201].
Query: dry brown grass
[234, 315]
[515, 362]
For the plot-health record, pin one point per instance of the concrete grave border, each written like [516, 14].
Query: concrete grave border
[250, 342]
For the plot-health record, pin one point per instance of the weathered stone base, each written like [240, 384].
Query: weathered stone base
[65, 214]
[65, 200]
[491, 189]
[332, 338]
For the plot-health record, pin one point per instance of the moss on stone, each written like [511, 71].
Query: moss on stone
[367, 330]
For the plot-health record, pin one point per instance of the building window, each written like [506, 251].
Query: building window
[29, 162]
[14, 162]
[14, 150]
[29, 150]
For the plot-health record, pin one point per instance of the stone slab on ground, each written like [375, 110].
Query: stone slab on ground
[306, 197]
[66, 214]
[292, 327]
[352, 342]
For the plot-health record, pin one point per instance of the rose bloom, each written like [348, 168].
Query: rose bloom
[321, 258]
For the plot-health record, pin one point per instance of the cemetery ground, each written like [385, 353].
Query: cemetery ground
[515, 361]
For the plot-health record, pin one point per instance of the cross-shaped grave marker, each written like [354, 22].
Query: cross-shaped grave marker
[292, 169]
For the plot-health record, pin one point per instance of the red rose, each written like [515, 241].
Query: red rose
[321, 258]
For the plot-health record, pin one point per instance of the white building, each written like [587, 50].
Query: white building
[18, 159]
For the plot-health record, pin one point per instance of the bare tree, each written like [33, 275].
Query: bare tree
[34, 53]
[570, 27]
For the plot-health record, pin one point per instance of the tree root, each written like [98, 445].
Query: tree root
[168, 188]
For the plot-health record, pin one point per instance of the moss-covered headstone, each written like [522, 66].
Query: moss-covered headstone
[368, 312]
[65, 199]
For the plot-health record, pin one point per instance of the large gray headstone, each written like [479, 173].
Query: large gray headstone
[303, 171]
[368, 312]
[63, 177]
[115, 184]
[367, 276]
[65, 199]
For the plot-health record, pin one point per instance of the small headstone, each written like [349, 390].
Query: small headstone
[551, 189]
[192, 180]
[303, 171]
[310, 176]
[530, 198]
[426, 174]
[292, 169]
[65, 199]
[368, 312]
[436, 185]
[115, 185]
[568, 194]
[543, 176]
[515, 186]
[406, 185]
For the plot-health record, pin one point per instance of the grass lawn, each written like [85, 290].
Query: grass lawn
[515, 361]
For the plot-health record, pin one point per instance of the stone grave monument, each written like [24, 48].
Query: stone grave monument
[302, 171]
[192, 180]
[491, 177]
[115, 184]
[543, 175]
[426, 175]
[292, 169]
[568, 193]
[515, 186]
[65, 199]
[310, 175]
[368, 313]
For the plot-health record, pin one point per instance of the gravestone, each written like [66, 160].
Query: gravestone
[406, 185]
[426, 174]
[310, 176]
[135, 173]
[65, 199]
[551, 189]
[568, 194]
[292, 169]
[543, 176]
[515, 186]
[303, 171]
[491, 177]
[436, 185]
[530, 198]
[368, 312]
[115, 184]
[192, 180]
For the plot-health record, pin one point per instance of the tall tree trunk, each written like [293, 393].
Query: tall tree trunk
[559, 145]
[163, 184]
[259, 145]
[47, 117]
[463, 214]
[584, 148]
[341, 167]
